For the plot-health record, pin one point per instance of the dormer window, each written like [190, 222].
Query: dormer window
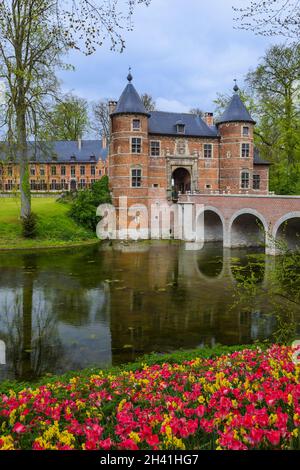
[92, 158]
[136, 125]
[73, 158]
[180, 127]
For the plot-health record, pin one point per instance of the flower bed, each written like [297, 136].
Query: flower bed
[246, 400]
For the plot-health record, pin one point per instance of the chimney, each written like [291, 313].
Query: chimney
[112, 106]
[209, 118]
[79, 143]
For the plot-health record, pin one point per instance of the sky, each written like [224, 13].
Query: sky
[182, 52]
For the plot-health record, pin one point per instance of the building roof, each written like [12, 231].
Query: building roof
[130, 101]
[165, 123]
[236, 111]
[63, 151]
[258, 160]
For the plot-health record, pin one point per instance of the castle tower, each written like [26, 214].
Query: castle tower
[129, 152]
[236, 128]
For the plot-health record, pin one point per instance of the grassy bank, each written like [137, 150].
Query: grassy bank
[55, 228]
[204, 399]
[149, 359]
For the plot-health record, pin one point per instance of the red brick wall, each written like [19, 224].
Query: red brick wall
[121, 160]
[222, 172]
[263, 172]
[231, 162]
[272, 208]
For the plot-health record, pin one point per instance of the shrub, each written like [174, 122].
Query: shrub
[83, 208]
[29, 226]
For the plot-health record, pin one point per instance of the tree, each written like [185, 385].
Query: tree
[282, 286]
[29, 54]
[101, 120]
[148, 102]
[275, 84]
[33, 36]
[272, 97]
[197, 112]
[271, 17]
[68, 120]
[83, 207]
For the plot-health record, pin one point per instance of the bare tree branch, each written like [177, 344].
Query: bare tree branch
[270, 17]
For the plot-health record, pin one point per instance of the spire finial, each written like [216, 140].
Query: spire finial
[235, 88]
[129, 76]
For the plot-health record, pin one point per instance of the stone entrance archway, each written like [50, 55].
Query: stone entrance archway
[181, 180]
[189, 165]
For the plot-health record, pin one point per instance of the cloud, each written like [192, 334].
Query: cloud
[164, 104]
[182, 53]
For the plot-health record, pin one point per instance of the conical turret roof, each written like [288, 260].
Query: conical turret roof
[236, 111]
[130, 101]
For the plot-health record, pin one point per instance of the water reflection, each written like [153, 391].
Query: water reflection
[111, 303]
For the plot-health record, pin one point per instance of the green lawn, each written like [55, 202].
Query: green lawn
[55, 228]
[152, 359]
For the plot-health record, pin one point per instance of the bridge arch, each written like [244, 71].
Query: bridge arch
[247, 227]
[214, 225]
[287, 229]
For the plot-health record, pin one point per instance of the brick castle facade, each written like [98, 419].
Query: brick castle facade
[156, 159]
[158, 156]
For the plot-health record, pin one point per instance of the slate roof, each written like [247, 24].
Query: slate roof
[161, 122]
[130, 102]
[236, 111]
[63, 151]
[257, 158]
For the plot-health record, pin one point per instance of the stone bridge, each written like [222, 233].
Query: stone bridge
[249, 220]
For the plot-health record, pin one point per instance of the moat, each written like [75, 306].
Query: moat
[111, 303]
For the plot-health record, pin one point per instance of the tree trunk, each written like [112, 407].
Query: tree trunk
[23, 159]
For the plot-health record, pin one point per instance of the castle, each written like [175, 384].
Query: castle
[162, 155]
[177, 161]
[151, 155]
